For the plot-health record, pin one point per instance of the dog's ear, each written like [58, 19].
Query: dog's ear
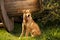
[28, 10]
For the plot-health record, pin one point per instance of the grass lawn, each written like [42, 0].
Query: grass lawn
[48, 33]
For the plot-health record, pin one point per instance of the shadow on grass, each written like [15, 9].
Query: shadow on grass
[17, 29]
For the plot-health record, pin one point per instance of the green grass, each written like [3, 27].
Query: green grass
[48, 33]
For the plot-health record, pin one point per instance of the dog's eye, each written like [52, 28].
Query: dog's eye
[28, 15]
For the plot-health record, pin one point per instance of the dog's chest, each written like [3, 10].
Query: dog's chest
[29, 25]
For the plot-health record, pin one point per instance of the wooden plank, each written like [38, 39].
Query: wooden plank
[15, 5]
[9, 24]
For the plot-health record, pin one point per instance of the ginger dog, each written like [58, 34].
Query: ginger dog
[29, 26]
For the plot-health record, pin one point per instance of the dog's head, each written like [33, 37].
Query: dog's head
[27, 14]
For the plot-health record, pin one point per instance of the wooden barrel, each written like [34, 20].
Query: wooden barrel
[16, 6]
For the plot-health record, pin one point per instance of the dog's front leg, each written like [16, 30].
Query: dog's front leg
[27, 32]
[23, 30]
